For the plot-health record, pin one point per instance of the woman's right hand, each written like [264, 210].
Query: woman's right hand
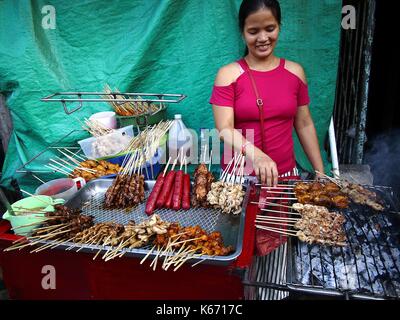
[266, 169]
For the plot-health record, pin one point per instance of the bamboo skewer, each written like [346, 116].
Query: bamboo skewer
[29, 225]
[183, 261]
[81, 157]
[279, 223]
[335, 181]
[282, 212]
[281, 192]
[276, 230]
[285, 186]
[272, 204]
[188, 240]
[154, 262]
[147, 255]
[198, 262]
[36, 197]
[276, 218]
[57, 169]
[278, 198]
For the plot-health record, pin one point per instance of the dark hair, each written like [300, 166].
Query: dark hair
[250, 6]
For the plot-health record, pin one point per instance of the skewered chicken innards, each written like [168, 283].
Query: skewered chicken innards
[126, 192]
[318, 225]
[202, 185]
[227, 197]
[362, 195]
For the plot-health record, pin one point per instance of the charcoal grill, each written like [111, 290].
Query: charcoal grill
[367, 268]
[91, 198]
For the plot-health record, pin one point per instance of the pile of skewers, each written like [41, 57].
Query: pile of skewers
[314, 224]
[180, 244]
[75, 165]
[127, 190]
[334, 194]
[227, 194]
[171, 190]
[203, 179]
[321, 194]
[95, 128]
[129, 108]
[63, 223]
[358, 194]
[116, 238]
[147, 143]
[97, 169]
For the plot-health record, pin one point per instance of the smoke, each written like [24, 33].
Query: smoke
[384, 159]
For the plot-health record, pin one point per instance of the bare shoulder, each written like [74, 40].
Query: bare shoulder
[228, 74]
[296, 69]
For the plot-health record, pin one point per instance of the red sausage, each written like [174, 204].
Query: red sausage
[178, 190]
[186, 192]
[151, 201]
[168, 204]
[168, 184]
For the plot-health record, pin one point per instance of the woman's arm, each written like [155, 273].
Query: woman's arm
[264, 167]
[307, 134]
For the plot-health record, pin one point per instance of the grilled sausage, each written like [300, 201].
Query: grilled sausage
[168, 184]
[186, 192]
[151, 202]
[178, 191]
[168, 204]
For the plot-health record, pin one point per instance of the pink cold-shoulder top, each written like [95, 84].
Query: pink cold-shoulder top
[282, 92]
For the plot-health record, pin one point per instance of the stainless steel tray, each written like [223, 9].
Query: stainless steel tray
[91, 197]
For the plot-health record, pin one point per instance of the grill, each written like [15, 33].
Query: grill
[367, 268]
[91, 198]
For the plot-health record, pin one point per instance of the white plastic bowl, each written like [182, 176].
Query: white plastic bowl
[106, 118]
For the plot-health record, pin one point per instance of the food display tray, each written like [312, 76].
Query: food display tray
[91, 198]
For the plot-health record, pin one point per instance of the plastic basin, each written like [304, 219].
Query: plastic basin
[22, 219]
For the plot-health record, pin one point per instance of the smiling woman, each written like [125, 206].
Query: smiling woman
[260, 29]
[264, 97]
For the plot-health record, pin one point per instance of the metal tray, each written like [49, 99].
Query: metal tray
[90, 198]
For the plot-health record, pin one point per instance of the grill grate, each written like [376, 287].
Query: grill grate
[368, 267]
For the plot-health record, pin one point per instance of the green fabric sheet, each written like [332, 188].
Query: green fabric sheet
[168, 46]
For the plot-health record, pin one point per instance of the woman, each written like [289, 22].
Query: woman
[282, 87]
[269, 96]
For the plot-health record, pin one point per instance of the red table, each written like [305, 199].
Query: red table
[77, 276]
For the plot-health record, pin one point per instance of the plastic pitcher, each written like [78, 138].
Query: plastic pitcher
[63, 188]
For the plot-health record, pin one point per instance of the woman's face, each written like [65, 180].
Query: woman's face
[261, 31]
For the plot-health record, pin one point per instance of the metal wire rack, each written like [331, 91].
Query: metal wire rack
[80, 97]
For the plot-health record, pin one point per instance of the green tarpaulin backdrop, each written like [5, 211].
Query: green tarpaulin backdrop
[169, 46]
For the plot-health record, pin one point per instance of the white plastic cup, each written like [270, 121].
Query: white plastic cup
[106, 118]
[63, 188]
